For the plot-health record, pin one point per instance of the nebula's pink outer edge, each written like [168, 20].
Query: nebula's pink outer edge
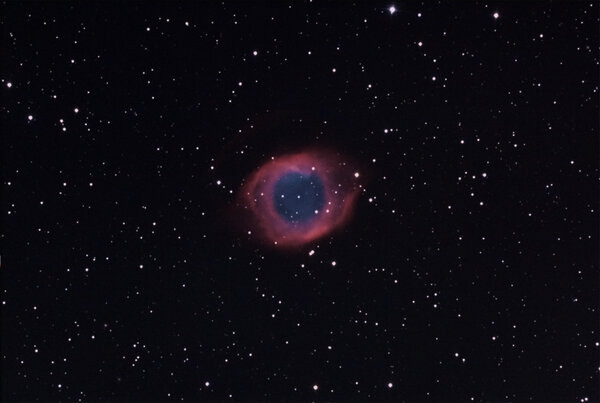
[258, 195]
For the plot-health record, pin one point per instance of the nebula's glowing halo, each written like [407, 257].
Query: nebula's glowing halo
[324, 180]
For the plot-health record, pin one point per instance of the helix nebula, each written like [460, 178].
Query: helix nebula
[297, 198]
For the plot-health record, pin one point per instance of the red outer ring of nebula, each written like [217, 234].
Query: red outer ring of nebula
[340, 194]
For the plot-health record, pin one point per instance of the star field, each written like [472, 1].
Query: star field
[130, 267]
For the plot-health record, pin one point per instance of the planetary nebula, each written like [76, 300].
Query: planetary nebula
[296, 198]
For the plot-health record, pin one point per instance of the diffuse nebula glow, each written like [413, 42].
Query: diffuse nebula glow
[297, 198]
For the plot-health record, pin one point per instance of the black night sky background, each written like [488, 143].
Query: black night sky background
[468, 270]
